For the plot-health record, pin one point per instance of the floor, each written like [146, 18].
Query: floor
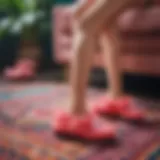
[26, 132]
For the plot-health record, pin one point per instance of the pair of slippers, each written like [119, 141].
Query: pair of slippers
[87, 127]
[24, 69]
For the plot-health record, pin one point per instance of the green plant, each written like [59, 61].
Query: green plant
[24, 17]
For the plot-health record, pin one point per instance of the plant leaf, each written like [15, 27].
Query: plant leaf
[5, 24]
[31, 18]
[17, 27]
[25, 5]
[30, 4]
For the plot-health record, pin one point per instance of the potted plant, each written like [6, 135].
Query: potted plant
[26, 18]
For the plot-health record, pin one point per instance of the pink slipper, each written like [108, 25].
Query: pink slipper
[122, 108]
[83, 127]
[24, 69]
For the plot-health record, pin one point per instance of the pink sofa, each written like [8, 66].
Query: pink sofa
[139, 28]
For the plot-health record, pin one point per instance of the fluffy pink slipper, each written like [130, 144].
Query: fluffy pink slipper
[83, 127]
[121, 107]
[24, 69]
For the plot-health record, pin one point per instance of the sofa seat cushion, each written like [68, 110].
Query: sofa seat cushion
[140, 45]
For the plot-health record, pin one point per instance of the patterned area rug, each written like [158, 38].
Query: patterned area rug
[26, 112]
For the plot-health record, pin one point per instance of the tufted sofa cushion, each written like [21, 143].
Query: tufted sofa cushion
[139, 29]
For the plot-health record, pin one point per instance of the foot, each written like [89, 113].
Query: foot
[23, 70]
[121, 107]
[84, 127]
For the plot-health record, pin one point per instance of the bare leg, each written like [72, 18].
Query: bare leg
[91, 23]
[103, 12]
[78, 122]
[88, 28]
[82, 60]
[116, 105]
[111, 48]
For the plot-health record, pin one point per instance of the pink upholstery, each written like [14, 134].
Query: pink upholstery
[62, 33]
[139, 28]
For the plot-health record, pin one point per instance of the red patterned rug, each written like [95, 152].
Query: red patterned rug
[26, 112]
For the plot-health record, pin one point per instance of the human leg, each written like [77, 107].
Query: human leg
[81, 65]
[111, 48]
[83, 124]
[102, 13]
[79, 122]
[116, 103]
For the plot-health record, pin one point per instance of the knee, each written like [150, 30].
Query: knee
[83, 38]
[81, 43]
[111, 35]
[89, 29]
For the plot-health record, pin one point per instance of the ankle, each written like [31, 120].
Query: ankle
[115, 95]
[78, 110]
